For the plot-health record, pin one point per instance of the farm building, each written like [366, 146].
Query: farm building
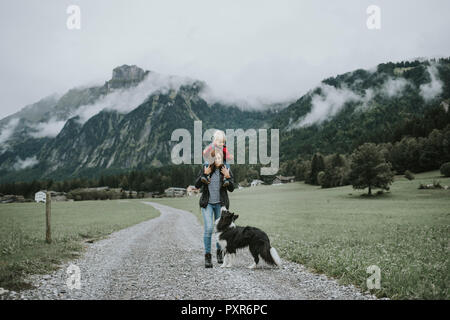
[40, 196]
[11, 198]
[175, 192]
[256, 182]
[282, 179]
[192, 191]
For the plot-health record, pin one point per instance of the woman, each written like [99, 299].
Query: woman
[214, 197]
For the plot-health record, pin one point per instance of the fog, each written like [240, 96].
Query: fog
[26, 163]
[434, 87]
[126, 100]
[7, 131]
[331, 100]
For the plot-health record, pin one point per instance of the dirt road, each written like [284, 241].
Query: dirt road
[163, 258]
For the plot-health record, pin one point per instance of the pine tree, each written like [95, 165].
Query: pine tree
[335, 172]
[317, 165]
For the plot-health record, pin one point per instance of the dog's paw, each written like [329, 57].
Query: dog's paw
[253, 266]
[223, 265]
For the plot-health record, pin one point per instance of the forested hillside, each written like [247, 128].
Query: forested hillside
[105, 130]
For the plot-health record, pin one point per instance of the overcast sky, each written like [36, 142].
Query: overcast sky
[269, 50]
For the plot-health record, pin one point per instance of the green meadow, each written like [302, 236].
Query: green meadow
[23, 249]
[340, 232]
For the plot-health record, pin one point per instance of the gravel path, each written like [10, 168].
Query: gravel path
[163, 258]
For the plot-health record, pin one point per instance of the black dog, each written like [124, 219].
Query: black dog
[232, 238]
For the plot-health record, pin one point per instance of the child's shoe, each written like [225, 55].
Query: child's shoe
[205, 179]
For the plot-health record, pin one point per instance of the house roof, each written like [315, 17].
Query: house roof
[175, 189]
[285, 178]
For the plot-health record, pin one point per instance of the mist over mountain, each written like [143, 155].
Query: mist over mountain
[123, 124]
[127, 122]
[361, 106]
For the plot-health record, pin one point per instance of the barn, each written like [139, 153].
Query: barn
[40, 196]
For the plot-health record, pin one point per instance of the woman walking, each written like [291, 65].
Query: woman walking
[214, 179]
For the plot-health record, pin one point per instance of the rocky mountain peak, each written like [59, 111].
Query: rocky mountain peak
[126, 76]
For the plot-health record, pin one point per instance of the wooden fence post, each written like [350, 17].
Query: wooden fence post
[48, 213]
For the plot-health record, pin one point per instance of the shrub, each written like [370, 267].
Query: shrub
[409, 175]
[244, 183]
[85, 195]
[321, 177]
[445, 169]
[336, 172]
[437, 184]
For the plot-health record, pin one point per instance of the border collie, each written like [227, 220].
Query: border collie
[232, 237]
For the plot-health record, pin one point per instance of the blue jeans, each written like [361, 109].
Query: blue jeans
[210, 214]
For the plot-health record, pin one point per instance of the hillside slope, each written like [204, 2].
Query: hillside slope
[364, 106]
[127, 122]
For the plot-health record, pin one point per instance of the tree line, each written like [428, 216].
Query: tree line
[421, 144]
[149, 180]
[374, 165]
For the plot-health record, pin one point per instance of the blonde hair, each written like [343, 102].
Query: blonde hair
[219, 135]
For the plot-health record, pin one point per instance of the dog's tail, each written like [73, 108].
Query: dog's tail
[275, 256]
[270, 255]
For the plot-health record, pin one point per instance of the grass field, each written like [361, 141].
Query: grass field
[22, 233]
[340, 233]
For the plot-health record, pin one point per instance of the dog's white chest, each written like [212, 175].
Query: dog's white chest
[222, 243]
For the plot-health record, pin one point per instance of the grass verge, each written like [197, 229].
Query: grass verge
[340, 233]
[23, 250]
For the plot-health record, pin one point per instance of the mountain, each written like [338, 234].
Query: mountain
[127, 122]
[361, 106]
[117, 136]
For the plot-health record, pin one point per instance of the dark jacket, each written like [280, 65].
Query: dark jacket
[204, 199]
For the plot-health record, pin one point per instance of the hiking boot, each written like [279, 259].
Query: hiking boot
[208, 263]
[219, 256]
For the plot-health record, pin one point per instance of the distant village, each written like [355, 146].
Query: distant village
[106, 193]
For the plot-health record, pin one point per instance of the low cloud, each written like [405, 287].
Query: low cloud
[248, 102]
[121, 100]
[48, 129]
[331, 99]
[126, 100]
[7, 132]
[431, 90]
[24, 164]
[326, 104]
[394, 87]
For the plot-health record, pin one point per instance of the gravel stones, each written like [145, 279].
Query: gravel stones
[163, 258]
